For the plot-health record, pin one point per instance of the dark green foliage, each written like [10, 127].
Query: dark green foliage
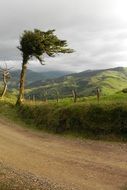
[124, 90]
[36, 43]
[84, 119]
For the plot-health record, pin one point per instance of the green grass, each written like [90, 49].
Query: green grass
[87, 118]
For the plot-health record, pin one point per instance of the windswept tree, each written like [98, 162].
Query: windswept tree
[37, 44]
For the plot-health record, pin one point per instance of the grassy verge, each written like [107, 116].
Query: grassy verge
[88, 119]
[9, 112]
[96, 121]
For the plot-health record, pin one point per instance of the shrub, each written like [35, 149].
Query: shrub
[124, 90]
[80, 118]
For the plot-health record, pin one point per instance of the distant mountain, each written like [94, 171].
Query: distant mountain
[108, 80]
[32, 77]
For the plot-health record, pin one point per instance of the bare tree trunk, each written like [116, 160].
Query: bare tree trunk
[46, 99]
[98, 94]
[5, 86]
[22, 80]
[57, 95]
[98, 97]
[33, 97]
[46, 95]
[74, 95]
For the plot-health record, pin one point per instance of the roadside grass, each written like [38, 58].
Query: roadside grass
[85, 120]
[106, 120]
[10, 112]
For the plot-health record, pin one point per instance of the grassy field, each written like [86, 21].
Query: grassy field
[110, 99]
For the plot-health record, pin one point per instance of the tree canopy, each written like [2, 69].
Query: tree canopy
[37, 43]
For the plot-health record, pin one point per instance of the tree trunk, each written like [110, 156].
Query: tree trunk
[98, 94]
[22, 81]
[57, 98]
[46, 95]
[5, 86]
[98, 97]
[74, 95]
[57, 95]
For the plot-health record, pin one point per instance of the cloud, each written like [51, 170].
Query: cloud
[96, 29]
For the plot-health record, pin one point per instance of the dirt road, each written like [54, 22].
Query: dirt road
[82, 164]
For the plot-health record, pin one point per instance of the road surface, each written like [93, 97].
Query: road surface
[79, 164]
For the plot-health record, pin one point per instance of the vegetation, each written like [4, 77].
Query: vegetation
[109, 81]
[86, 118]
[5, 76]
[35, 44]
[32, 77]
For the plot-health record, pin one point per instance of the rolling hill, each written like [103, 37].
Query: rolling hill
[109, 81]
[33, 76]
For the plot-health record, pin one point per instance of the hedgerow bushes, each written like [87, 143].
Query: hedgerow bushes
[83, 119]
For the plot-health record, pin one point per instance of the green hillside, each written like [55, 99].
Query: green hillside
[32, 77]
[109, 81]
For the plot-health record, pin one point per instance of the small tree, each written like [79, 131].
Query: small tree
[5, 77]
[36, 44]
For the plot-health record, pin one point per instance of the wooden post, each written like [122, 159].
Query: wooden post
[98, 94]
[74, 95]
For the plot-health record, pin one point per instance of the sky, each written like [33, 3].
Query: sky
[95, 29]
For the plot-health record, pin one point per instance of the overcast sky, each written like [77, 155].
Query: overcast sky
[96, 29]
